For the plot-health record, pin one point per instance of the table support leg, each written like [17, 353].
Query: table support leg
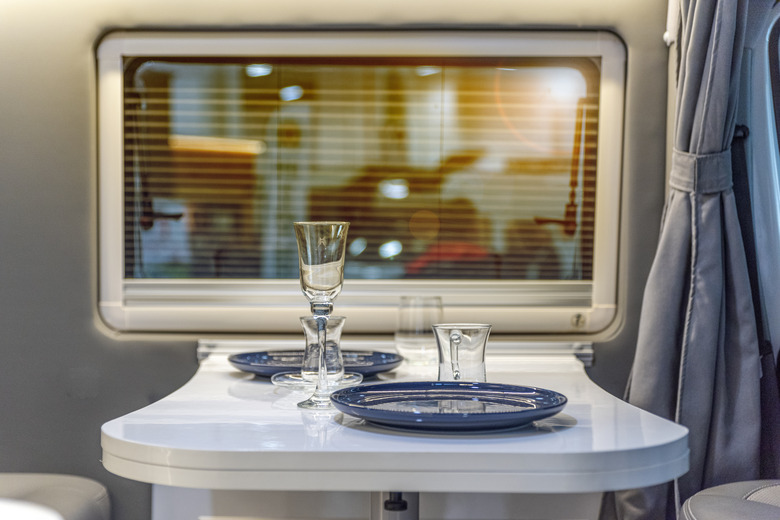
[395, 506]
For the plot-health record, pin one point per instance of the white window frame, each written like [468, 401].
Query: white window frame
[518, 307]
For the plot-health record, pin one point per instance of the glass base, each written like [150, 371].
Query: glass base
[320, 399]
[295, 381]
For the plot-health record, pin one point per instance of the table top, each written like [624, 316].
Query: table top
[226, 429]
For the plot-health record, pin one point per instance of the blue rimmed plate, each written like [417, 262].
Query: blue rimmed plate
[272, 362]
[452, 406]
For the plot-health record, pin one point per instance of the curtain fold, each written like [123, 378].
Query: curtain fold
[697, 358]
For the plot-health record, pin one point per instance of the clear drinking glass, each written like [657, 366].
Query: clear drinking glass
[309, 372]
[321, 248]
[461, 350]
[413, 335]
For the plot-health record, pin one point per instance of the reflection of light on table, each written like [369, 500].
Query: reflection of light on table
[21, 510]
[407, 372]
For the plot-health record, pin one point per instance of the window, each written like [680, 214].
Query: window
[483, 167]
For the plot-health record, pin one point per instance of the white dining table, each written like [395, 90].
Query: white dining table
[229, 430]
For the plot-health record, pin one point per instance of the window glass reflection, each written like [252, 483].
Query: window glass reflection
[446, 168]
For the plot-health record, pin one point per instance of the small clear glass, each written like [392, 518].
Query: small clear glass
[462, 350]
[307, 376]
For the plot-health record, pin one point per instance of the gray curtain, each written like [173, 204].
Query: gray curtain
[697, 357]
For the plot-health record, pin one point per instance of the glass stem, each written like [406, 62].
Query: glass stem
[321, 308]
[322, 338]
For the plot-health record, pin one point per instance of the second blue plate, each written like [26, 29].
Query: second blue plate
[274, 361]
[448, 405]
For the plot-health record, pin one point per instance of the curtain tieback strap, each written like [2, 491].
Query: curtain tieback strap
[706, 173]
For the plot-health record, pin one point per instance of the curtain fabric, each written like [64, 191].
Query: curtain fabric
[697, 358]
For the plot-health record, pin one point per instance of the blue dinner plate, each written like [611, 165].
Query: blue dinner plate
[453, 406]
[274, 361]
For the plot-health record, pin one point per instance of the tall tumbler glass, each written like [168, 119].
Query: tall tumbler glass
[413, 335]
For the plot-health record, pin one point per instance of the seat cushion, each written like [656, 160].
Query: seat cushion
[754, 500]
[20, 510]
[73, 497]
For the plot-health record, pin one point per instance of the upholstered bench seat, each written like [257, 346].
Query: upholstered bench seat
[73, 497]
[752, 500]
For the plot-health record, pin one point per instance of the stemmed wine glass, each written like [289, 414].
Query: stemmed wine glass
[321, 247]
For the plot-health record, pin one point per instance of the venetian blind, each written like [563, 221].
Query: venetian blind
[445, 168]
